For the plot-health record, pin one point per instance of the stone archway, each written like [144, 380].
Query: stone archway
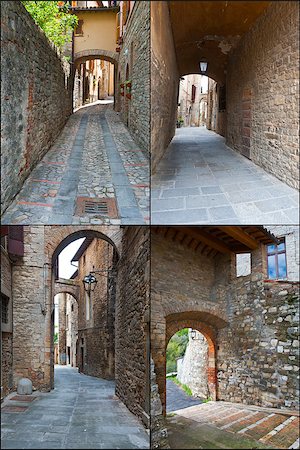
[206, 323]
[56, 239]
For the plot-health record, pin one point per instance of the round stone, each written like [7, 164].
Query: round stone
[24, 386]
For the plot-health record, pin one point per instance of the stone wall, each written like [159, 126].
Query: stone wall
[187, 291]
[35, 97]
[135, 54]
[165, 82]
[132, 323]
[72, 328]
[192, 368]
[263, 92]
[96, 329]
[257, 357]
[159, 432]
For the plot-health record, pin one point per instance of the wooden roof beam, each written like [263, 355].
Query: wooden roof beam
[240, 235]
[207, 239]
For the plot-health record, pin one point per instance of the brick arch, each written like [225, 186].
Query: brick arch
[207, 324]
[86, 55]
[72, 290]
[57, 238]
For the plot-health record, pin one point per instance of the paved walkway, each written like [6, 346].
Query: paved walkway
[231, 425]
[202, 181]
[94, 158]
[177, 398]
[81, 412]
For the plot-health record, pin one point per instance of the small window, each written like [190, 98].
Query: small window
[78, 29]
[243, 264]
[193, 93]
[222, 98]
[4, 309]
[72, 308]
[276, 255]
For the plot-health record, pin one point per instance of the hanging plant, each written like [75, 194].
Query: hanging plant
[122, 89]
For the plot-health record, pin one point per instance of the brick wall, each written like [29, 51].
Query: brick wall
[165, 81]
[35, 97]
[132, 323]
[135, 52]
[265, 68]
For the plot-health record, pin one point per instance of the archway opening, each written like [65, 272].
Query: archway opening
[83, 291]
[192, 101]
[190, 363]
[65, 329]
[94, 82]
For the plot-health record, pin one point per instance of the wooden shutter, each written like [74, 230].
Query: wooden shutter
[193, 93]
[15, 245]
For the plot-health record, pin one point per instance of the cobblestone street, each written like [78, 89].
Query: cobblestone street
[202, 181]
[81, 412]
[231, 425]
[94, 173]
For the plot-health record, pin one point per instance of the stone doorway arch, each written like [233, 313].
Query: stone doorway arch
[207, 324]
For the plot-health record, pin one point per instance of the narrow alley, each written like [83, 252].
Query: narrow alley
[94, 173]
[201, 180]
[81, 412]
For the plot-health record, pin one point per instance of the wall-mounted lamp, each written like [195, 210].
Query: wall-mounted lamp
[193, 334]
[89, 282]
[203, 65]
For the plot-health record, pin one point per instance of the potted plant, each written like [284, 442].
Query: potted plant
[128, 88]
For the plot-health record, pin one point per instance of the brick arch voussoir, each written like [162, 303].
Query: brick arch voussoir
[86, 55]
[72, 290]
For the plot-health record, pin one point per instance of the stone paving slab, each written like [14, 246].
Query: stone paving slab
[94, 157]
[64, 418]
[232, 425]
[200, 172]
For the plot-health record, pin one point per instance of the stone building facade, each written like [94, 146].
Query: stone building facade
[133, 323]
[96, 310]
[134, 69]
[35, 105]
[250, 322]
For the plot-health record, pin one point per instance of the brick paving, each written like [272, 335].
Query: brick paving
[95, 157]
[269, 428]
[202, 181]
[81, 412]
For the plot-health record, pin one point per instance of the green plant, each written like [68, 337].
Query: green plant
[56, 22]
[176, 349]
[55, 338]
[206, 400]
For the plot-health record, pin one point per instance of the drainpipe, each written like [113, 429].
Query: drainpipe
[72, 73]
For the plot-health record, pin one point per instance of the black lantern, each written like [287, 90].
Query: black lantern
[193, 334]
[203, 65]
[89, 282]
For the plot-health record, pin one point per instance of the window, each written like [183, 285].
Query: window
[243, 264]
[78, 29]
[222, 98]
[193, 93]
[276, 261]
[4, 309]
